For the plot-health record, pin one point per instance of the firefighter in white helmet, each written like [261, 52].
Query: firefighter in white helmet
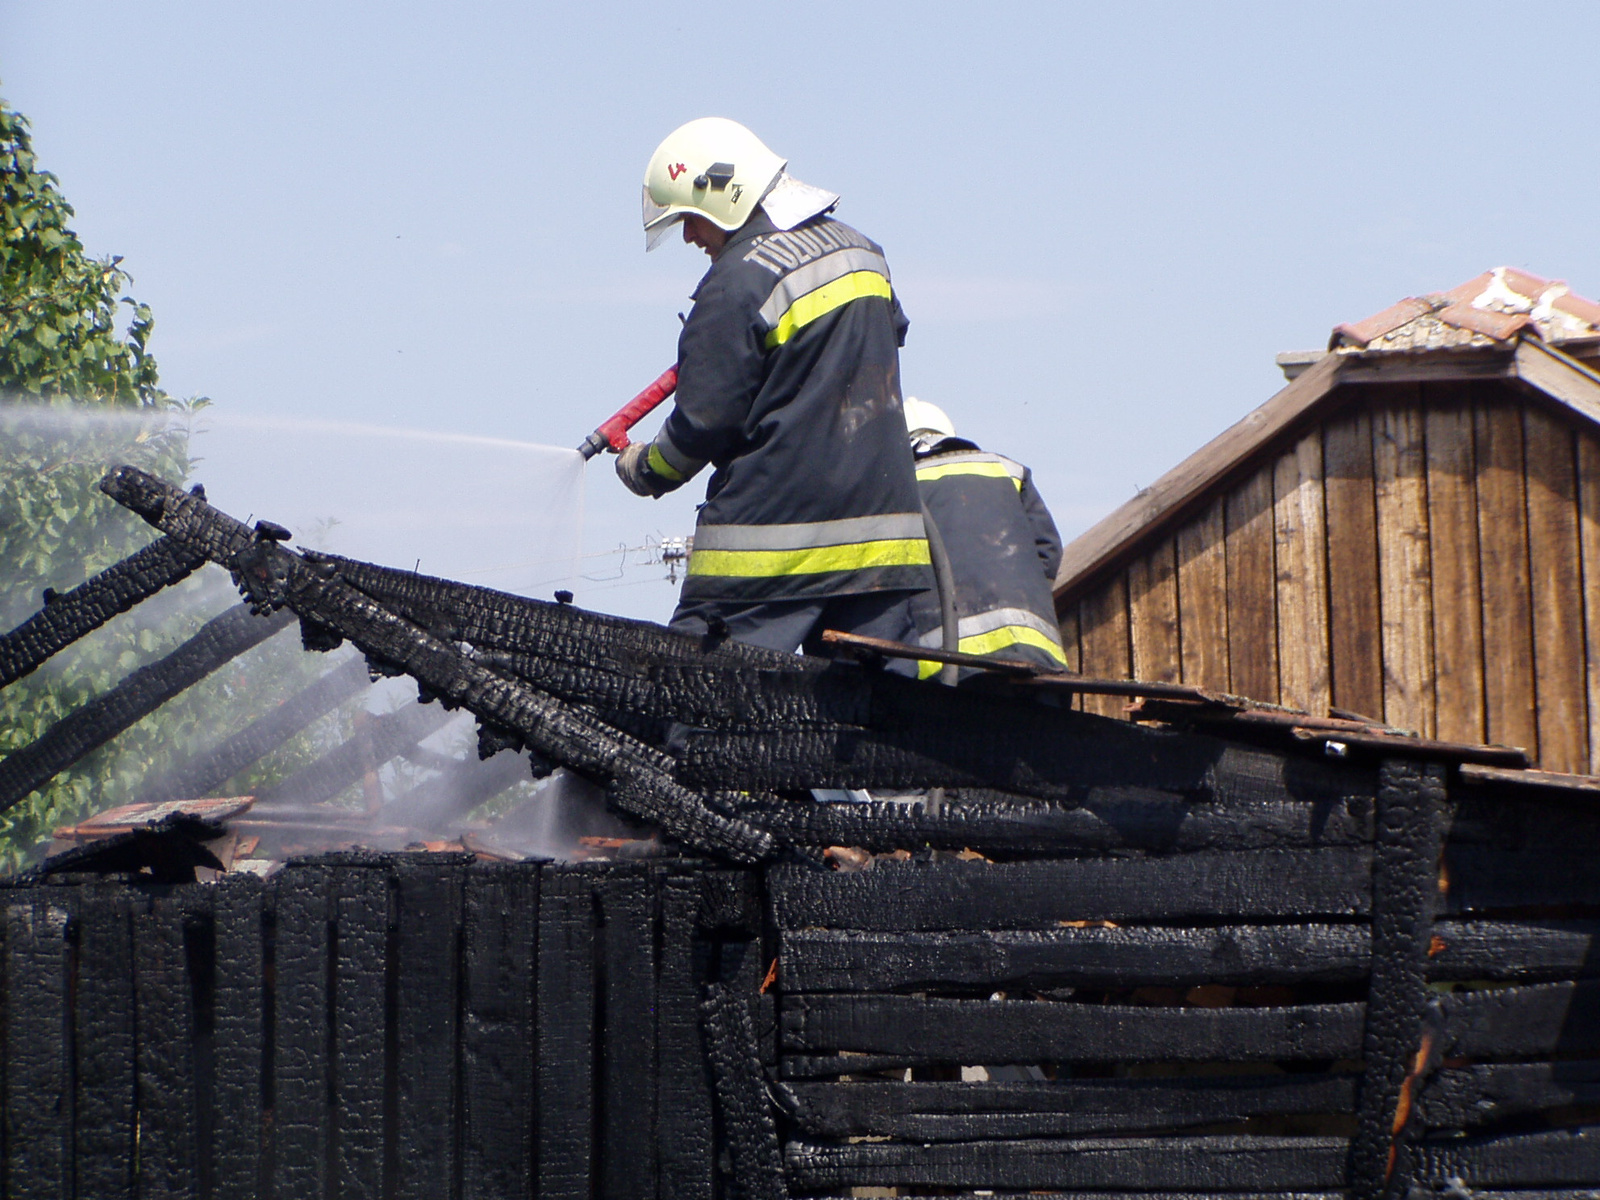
[789, 385]
[1001, 541]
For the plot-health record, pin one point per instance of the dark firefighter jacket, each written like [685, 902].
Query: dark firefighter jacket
[1004, 552]
[789, 382]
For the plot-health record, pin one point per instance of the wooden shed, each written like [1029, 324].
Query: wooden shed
[1410, 530]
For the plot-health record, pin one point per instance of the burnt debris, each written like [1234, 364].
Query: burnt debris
[1210, 955]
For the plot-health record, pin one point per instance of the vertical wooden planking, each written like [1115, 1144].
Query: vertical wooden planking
[1252, 603]
[239, 1006]
[302, 1040]
[1069, 638]
[1503, 569]
[566, 1036]
[1589, 541]
[1453, 550]
[1203, 599]
[685, 1147]
[1557, 590]
[628, 1053]
[1355, 657]
[360, 965]
[501, 922]
[36, 1163]
[1153, 614]
[1103, 637]
[1399, 460]
[1300, 553]
[103, 1044]
[428, 931]
[165, 1038]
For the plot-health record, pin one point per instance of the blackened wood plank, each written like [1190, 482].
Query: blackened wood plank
[1503, 547]
[1400, 474]
[1453, 545]
[497, 1033]
[1216, 1162]
[1589, 544]
[628, 1052]
[947, 1112]
[1153, 613]
[686, 1149]
[1103, 639]
[1252, 603]
[1203, 598]
[818, 960]
[1557, 590]
[360, 965]
[567, 1051]
[103, 1044]
[749, 1132]
[169, 1160]
[1519, 1022]
[1553, 1157]
[1490, 1093]
[978, 895]
[1300, 555]
[1354, 633]
[302, 1035]
[240, 1035]
[1033, 1031]
[1404, 896]
[427, 963]
[36, 1162]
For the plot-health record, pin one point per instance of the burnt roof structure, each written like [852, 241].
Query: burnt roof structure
[1232, 950]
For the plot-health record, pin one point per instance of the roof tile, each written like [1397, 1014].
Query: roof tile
[1498, 325]
[1579, 306]
[1390, 319]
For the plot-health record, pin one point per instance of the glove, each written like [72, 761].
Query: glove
[633, 468]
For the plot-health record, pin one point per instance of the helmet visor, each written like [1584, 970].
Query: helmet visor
[659, 219]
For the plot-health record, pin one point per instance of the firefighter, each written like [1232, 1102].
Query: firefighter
[789, 386]
[1001, 541]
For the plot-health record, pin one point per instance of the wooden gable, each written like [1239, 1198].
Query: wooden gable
[1410, 537]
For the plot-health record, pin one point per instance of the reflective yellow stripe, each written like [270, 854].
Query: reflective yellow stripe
[1011, 635]
[993, 470]
[824, 300]
[811, 560]
[657, 462]
[927, 670]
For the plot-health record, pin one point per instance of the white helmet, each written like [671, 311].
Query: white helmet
[714, 167]
[922, 417]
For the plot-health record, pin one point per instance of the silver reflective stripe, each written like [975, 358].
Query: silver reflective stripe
[679, 461]
[988, 622]
[1015, 469]
[813, 275]
[845, 532]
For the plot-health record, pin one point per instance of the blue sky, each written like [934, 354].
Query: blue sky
[1103, 220]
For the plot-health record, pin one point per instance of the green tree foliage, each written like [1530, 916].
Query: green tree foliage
[79, 390]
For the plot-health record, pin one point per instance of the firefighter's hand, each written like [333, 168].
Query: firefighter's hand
[633, 468]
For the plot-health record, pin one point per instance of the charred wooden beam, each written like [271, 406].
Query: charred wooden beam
[1541, 1019]
[72, 615]
[639, 778]
[203, 774]
[1220, 1163]
[91, 726]
[741, 1093]
[822, 960]
[960, 1112]
[1405, 876]
[951, 895]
